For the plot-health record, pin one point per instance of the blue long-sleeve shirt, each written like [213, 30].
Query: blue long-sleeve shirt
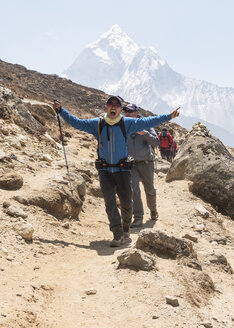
[114, 148]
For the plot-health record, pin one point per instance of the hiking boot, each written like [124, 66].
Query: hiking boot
[154, 215]
[137, 223]
[117, 240]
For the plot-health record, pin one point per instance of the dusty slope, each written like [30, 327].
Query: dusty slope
[44, 282]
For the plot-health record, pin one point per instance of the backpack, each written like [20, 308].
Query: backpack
[163, 139]
[125, 163]
[101, 124]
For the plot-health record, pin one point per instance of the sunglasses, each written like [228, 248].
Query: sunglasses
[114, 105]
[129, 111]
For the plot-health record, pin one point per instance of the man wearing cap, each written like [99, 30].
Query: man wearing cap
[113, 168]
[140, 148]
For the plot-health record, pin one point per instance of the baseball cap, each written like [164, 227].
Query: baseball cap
[117, 98]
[131, 108]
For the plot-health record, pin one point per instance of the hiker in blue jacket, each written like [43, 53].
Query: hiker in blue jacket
[112, 164]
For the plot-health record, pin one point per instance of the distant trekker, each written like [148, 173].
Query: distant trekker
[112, 163]
[165, 144]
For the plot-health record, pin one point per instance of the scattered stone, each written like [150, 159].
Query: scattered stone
[202, 211]
[6, 204]
[66, 225]
[47, 158]
[2, 155]
[172, 301]
[162, 244]
[137, 259]
[11, 181]
[24, 229]
[4, 250]
[220, 260]
[155, 316]
[14, 210]
[221, 241]
[90, 291]
[206, 324]
[199, 227]
[10, 258]
[192, 238]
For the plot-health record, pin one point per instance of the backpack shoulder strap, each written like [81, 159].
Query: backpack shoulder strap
[122, 127]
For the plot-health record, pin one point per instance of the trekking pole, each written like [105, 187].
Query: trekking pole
[64, 151]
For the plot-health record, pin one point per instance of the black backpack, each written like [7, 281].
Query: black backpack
[101, 124]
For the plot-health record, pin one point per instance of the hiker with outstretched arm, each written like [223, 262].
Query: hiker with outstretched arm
[112, 163]
[140, 145]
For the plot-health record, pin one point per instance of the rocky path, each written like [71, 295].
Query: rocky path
[68, 276]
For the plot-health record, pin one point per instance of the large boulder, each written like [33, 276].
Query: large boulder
[205, 161]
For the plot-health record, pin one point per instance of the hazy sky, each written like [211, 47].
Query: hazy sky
[195, 37]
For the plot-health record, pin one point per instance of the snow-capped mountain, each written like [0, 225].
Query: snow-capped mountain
[117, 65]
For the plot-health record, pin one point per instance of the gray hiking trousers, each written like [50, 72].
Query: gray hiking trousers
[144, 172]
[120, 183]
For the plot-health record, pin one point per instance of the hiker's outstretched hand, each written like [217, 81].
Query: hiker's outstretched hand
[57, 106]
[175, 113]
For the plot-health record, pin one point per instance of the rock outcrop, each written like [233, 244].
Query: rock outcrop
[205, 161]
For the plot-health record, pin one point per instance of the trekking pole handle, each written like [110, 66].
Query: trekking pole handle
[55, 103]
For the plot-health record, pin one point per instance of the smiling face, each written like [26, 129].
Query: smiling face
[113, 109]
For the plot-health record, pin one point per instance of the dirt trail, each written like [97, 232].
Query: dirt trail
[46, 283]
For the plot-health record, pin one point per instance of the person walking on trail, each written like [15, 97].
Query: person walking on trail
[174, 147]
[112, 133]
[140, 148]
[165, 144]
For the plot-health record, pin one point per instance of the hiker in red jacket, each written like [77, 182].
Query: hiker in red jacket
[166, 141]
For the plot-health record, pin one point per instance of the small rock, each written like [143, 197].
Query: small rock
[4, 250]
[10, 258]
[24, 229]
[13, 210]
[47, 158]
[66, 225]
[199, 227]
[2, 155]
[155, 317]
[192, 238]
[136, 258]
[11, 181]
[206, 324]
[202, 211]
[172, 301]
[91, 292]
